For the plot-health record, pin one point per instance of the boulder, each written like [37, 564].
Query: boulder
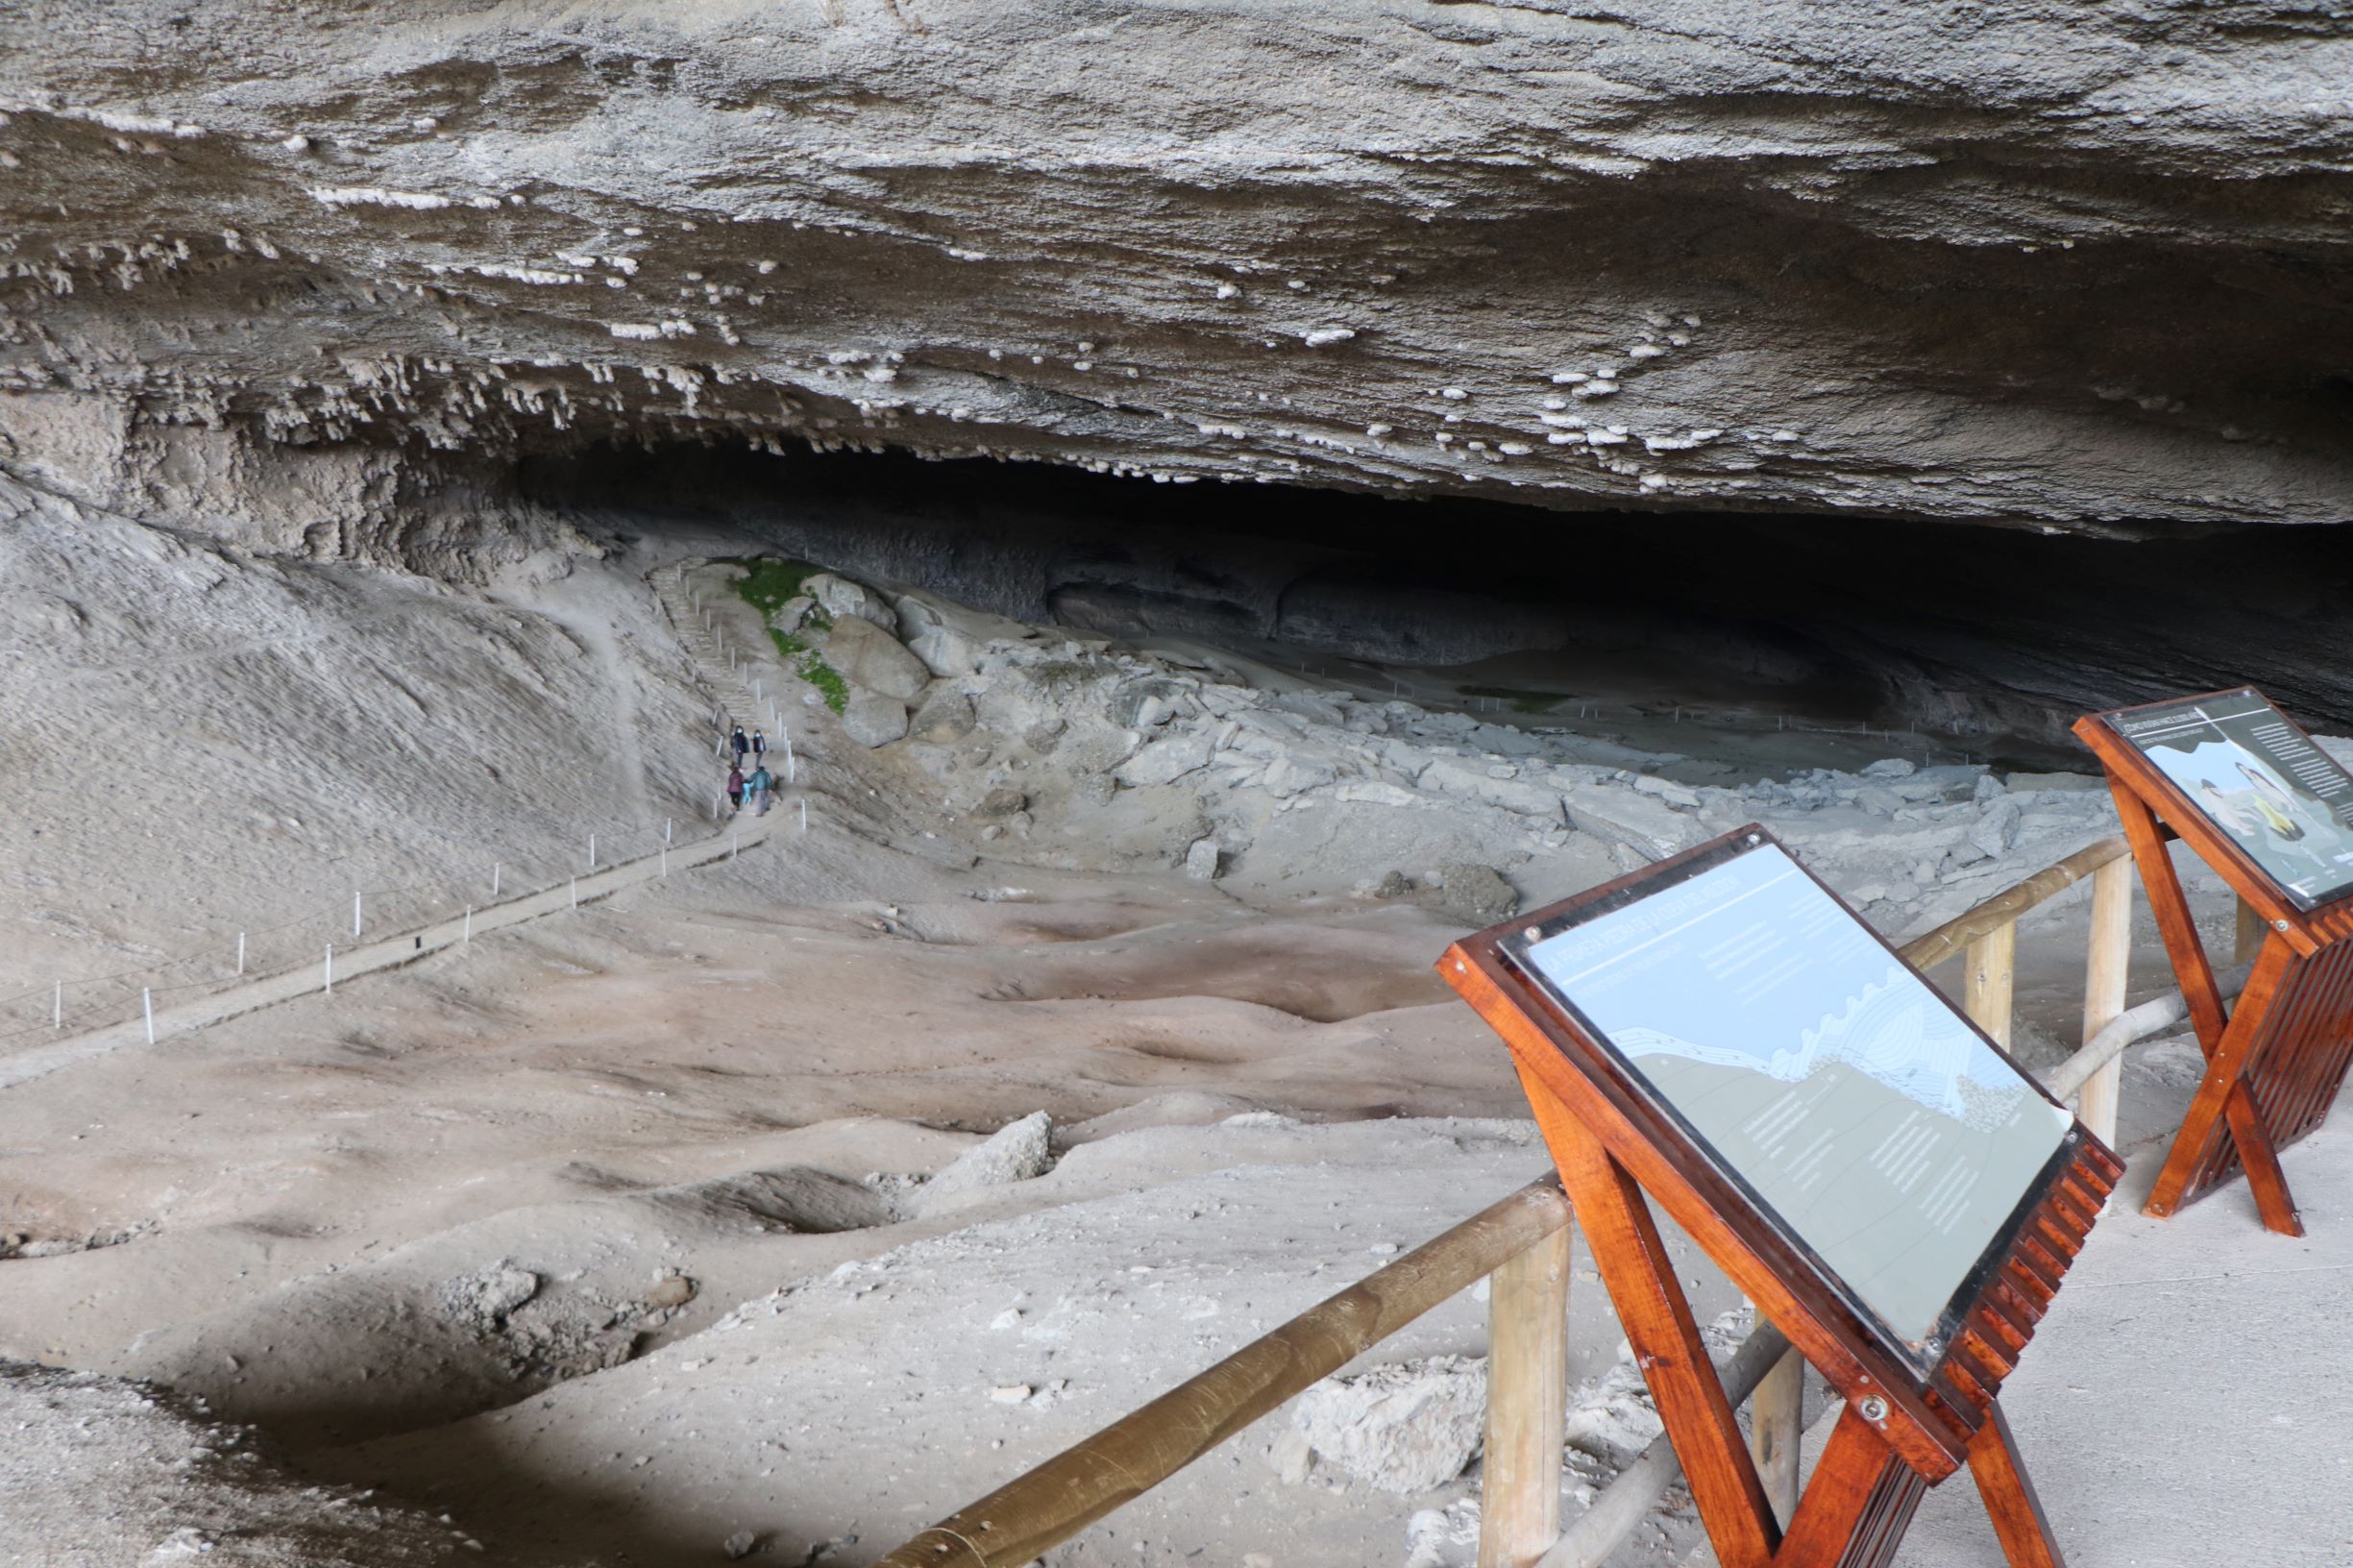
[1201, 860]
[944, 647]
[847, 600]
[1996, 831]
[1292, 775]
[1405, 1428]
[1001, 803]
[870, 659]
[1165, 760]
[1015, 1152]
[1476, 894]
[945, 714]
[873, 720]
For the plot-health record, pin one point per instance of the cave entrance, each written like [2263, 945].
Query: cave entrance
[1675, 631]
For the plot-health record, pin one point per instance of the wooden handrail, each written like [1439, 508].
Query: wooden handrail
[1947, 940]
[1042, 1509]
[1052, 1503]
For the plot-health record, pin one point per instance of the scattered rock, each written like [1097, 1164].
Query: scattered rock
[485, 1297]
[1165, 760]
[1405, 1428]
[1201, 860]
[1015, 1152]
[944, 715]
[873, 720]
[1011, 1393]
[1394, 884]
[847, 600]
[1996, 831]
[870, 659]
[1476, 894]
[1002, 801]
[739, 1544]
[931, 636]
[671, 1290]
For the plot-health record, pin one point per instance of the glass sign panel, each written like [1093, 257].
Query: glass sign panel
[2261, 780]
[1850, 1098]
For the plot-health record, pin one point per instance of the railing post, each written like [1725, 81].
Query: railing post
[1776, 1427]
[2107, 955]
[2249, 941]
[1990, 964]
[1528, 1391]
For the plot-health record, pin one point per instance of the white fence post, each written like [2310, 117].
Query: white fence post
[56, 1008]
[735, 845]
[240, 952]
[667, 824]
[592, 852]
[354, 916]
[469, 931]
[328, 983]
[575, 892]
[147, 1005]
[804, 816]
[666, 860]
[493, 881]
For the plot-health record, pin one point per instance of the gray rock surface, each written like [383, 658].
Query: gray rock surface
[1201, 860]
[1522, 251]
[870, 659]
[873, 720]
[1476, 894]
[1015, 1152]
[1406, 1426]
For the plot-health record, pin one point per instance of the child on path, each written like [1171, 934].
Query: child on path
[735, 787]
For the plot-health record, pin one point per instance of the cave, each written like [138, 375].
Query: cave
[752, 760]
[1989, 639]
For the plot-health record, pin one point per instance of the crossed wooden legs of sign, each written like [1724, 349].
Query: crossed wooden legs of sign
[1854, 1511]
[2225, 1106]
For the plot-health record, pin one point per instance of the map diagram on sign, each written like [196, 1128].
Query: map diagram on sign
[1840, 1088]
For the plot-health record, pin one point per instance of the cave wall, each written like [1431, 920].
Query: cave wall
[2032, 261]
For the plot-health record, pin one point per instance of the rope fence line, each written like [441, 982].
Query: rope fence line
[99, 1001]
[347, 962]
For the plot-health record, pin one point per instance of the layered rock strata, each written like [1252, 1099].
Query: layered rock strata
[2020, 260]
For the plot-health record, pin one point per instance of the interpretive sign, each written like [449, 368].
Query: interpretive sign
[2284, 801]
[2271, 813]
[1719, 1035]
[1861, 1111]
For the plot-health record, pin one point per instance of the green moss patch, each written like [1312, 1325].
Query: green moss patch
[768, 586]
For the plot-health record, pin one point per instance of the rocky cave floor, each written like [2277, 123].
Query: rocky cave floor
[774, 1209]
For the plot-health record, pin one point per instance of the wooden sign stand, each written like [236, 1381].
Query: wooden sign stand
[2275, 1061]
[1900, 1433]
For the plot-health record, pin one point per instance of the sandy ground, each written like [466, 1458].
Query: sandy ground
[604, 1237]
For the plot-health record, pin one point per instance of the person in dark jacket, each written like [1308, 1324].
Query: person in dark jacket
[759, 743]
[735, 787]
[759, 784]
[741, 744]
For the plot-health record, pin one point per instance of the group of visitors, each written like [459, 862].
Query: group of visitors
[752, 791]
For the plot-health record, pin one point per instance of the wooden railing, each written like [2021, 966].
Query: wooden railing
[1523, 1243]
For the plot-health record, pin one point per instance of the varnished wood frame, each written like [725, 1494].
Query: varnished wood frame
[2275, 1063]
[1612, 1147]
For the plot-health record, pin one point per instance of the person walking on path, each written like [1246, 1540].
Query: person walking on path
[735, 787]
[761, 784]
[759, 745]
[741, 744]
